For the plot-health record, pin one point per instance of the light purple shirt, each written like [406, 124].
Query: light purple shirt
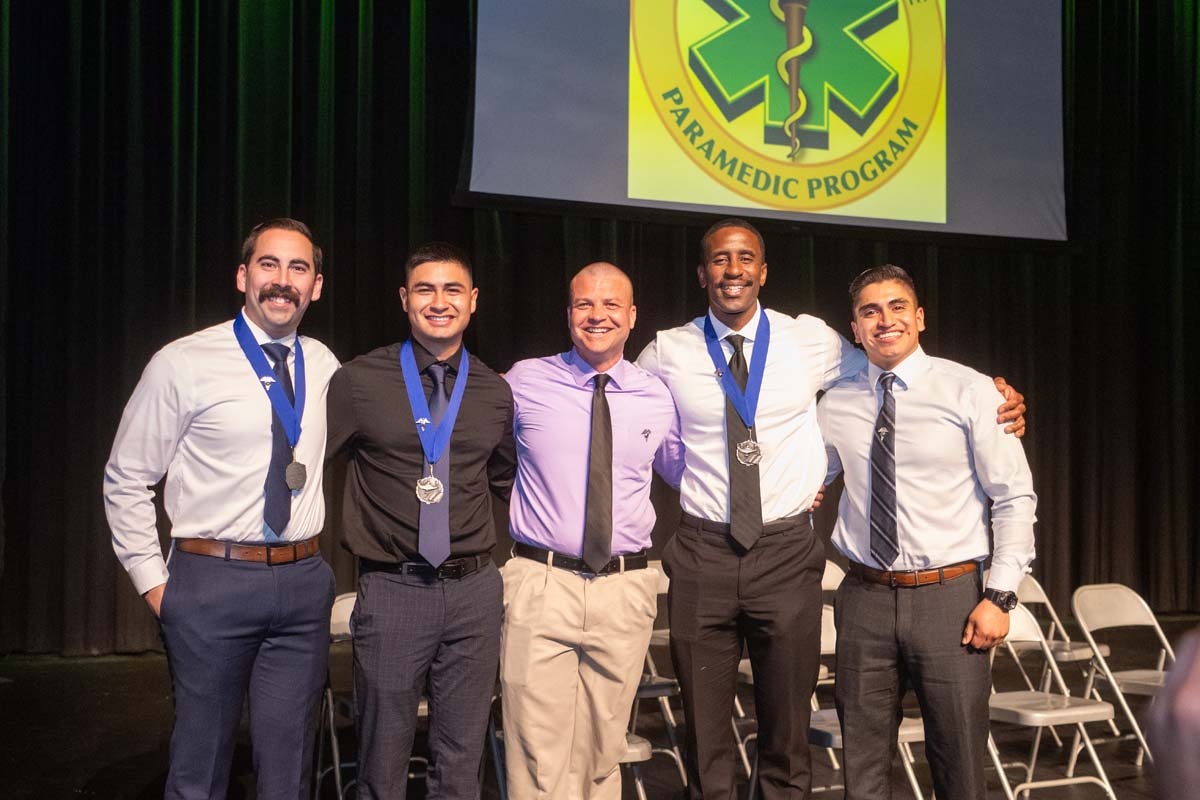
[552, 425]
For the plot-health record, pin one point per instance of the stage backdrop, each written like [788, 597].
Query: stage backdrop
[140, 140]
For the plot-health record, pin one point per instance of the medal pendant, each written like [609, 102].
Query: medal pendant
[296, 475]
[430, 490]
[749, 453]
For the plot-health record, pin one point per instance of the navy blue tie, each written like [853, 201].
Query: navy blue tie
[884, 542]
[277, 505]
[433, 540]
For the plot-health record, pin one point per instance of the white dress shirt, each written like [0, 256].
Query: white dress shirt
[953, 461]
[200, 416]
[805, 356]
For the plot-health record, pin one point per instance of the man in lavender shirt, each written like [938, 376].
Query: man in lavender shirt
[579, 598]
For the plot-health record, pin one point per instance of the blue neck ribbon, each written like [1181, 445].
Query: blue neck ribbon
[433, 441]
[745, 403]
[289, 414]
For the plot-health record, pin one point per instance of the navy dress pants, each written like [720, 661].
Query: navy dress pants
[234, 629]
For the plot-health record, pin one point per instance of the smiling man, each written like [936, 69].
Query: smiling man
[427, 428]
[579, 599]
[745, 565]
[245, 603]
[925, 467]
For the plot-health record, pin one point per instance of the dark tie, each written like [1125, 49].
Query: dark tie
[884, 544]
[277, 503]
[597, 522]
[745, 496]
[433, 542]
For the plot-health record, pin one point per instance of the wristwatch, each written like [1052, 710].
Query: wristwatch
[1005, 601]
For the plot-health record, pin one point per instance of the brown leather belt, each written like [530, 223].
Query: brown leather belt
[282, 553]
[911, 577]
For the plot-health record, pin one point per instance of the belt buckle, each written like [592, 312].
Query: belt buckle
[452, 571]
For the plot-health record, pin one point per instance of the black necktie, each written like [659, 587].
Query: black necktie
[277, 502]
[433, 539]
[745, 495]
[597, 521]
[884, 543]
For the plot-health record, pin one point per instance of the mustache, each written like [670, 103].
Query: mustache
[275, 290]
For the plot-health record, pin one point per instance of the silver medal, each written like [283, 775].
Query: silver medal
[749, 453]
[430, 490]
[295, 474]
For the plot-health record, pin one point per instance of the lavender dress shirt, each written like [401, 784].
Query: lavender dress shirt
[552, 397]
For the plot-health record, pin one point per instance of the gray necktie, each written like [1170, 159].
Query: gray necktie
[884, 542]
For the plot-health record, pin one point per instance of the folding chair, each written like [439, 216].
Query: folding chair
[657, 687]
[339, 631]
[1065, 651]
[1113, 605]
[1040, 709]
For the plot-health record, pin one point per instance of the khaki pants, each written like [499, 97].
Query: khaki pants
[571, 655]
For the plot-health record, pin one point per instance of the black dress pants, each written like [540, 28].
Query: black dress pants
[414, 634]
[769, 600]
[888, 640]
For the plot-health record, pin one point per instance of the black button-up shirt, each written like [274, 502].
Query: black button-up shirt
[370, 421]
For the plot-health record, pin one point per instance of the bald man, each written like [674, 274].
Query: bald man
[579, 597]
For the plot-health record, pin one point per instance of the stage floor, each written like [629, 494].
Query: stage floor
[98, 728]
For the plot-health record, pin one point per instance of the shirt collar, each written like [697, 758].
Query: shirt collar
[424, 358]
[261, 336]
[907, 372]
[583, 372]
[749, 330]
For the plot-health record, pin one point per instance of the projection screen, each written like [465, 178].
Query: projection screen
[933, 115]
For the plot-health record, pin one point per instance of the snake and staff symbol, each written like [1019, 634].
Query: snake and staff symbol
[799, 41]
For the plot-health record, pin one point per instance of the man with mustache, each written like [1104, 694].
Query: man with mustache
[579, 600]
[428, 431]
[745, 565]
[234, 416]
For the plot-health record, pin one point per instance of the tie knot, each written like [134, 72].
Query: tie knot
[438, 373]
[886, 380]
[601, 381]
[737, 340]
[278, 352]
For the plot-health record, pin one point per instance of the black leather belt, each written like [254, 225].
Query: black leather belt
[450, 569]
[617, 564]
[778, 526]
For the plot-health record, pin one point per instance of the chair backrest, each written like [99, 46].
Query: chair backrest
[828, 631]
[1030, 591]
[832, 578]
[1110, 605]
[339, 617]
[1023, 626]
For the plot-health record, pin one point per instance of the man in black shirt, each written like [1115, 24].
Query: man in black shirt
[428, 432]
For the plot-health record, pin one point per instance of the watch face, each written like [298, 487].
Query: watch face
[1006, 600]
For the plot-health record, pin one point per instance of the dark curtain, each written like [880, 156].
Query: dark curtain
[140, 140]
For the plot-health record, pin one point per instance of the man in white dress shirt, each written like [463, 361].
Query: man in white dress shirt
[745, 565]
[925, 463]
[244, 605]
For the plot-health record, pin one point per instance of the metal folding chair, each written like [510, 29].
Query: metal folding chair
[1040, 709]
[1065, 651]
[659, 688]
[339, 631]
[1113, 605]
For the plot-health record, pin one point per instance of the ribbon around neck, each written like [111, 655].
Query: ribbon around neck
[433, 441]
[289, 414]
[745, 403]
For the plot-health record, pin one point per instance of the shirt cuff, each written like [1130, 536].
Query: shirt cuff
[148, 574]
[1004, 578]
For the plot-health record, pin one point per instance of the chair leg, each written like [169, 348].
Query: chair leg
[752, 791]
[673, 737]
[497, 751]
[995, 754]
[1096, 761]
[906, 760]
[639, 786]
